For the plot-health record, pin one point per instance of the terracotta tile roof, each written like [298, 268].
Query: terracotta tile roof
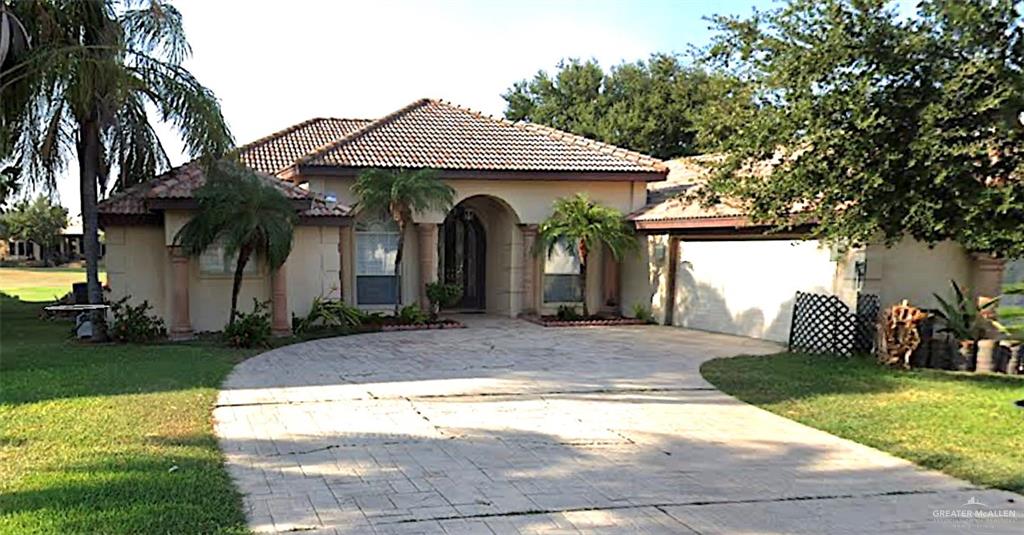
[440, 135]
[281, 149]
[181, 182]
[666, 200]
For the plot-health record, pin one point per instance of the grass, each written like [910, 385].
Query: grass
[40, 284]
[963, 424]
[90, 435]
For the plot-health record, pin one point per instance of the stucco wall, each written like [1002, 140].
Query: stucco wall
[312, 267]
[138, 264]
[644, 276]
[530, 199]
[911, 270]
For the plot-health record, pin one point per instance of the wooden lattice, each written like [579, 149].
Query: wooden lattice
[824, 324]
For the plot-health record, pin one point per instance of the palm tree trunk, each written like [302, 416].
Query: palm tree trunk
[398, 264]
[236, 286]
[583, 285]
[88, 174]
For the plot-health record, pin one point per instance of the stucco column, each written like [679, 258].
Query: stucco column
[279, 324]
[427, 234]
[181, 324]
[529, 269]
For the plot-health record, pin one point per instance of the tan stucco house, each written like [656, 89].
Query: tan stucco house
[700, 268]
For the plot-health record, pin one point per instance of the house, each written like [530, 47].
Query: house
[709, 269]
[506, 177]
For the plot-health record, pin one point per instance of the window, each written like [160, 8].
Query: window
[562, 277]
[376, 248]
[213, 261]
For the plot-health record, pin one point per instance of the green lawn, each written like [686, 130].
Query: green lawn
[962, 424]
[40, 284]
[89, 434]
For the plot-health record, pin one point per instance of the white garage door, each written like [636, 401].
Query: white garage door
[747, 287]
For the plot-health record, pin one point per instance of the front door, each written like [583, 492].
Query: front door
[464, 254]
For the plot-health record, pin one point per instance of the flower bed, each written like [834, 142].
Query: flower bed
[553, 321]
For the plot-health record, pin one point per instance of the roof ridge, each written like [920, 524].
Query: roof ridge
[577, 140]
[320, 151]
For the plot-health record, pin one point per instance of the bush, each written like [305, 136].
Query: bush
[329, 313]
[443, 295]
[568, 313]
[412, 315]
[642, 313]
[134, 323]
[250, 329]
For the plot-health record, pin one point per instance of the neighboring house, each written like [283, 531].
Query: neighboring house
[68, 249]
[712, 269]
[706, 269]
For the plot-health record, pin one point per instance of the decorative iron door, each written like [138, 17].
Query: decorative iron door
[464, 253]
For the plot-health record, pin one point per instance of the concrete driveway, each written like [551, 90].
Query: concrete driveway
[507, 427]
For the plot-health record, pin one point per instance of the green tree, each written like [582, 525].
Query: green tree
[648, 106]
[39, 221]
[83, 88]
[400, 193]
[875, 125]
[244, 212]
[580, 225]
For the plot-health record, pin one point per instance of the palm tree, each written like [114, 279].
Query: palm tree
[399, 193]
[244, 212]
[84, 87]
[580, 225]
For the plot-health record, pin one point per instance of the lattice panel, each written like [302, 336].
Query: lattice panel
[868, 307]
[824, 324]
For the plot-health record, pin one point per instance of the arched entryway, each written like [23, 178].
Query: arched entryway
[479, 249]
[464, 256]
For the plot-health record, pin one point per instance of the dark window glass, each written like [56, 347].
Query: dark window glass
[562, 289]
[375, 289]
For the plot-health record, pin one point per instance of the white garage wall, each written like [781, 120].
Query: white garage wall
[747, 287]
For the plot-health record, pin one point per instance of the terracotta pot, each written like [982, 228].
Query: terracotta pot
[986, 356]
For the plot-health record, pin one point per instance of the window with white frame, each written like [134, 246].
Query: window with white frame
[376, 248]
[216, 261]
[562, 276]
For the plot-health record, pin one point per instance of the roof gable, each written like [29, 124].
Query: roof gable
[436, 134]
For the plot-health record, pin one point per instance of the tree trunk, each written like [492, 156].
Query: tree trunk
[88, 178]
[236, 286]
[583, 285]
[398, 265]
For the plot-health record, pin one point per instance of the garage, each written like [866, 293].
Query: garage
[745, 287]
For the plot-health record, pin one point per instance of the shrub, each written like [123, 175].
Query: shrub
[642, 313]
[567, 313]
[443, 295]
[252, 329]
[134, 323]
[329, 313]
[412, 315]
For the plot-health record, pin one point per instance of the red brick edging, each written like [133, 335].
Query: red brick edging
[423, 326]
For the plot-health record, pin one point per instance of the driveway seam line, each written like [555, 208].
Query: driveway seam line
[610, 391]
[698, 503]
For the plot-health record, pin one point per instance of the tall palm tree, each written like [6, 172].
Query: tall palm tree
[83, 88]
[581, 225]
[244, 212]
[399, 193]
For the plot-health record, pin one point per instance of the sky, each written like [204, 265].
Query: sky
[274, 64]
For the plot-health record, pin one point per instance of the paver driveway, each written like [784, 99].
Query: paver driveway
[507, 427]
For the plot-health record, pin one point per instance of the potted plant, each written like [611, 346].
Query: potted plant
[443, 295]
[963, 319]
[1011, 324]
